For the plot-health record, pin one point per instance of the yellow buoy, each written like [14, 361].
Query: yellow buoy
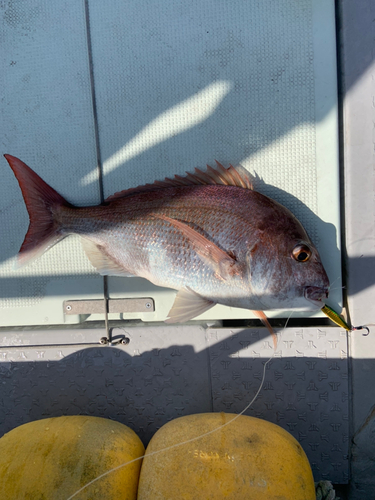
[249, 459]
[53, 458]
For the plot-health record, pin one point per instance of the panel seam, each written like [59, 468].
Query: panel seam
[99, 161]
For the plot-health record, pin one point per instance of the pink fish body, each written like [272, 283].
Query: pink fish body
[208, 235]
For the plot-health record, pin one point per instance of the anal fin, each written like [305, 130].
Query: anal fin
[187, 305]
[100, 260]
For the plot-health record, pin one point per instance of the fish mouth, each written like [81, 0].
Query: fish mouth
[316, 295]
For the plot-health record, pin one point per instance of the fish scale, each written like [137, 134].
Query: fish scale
[167, 247]
[209, 235]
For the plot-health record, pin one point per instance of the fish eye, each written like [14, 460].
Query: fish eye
[301, 253]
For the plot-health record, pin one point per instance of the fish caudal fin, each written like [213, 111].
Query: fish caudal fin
[41, 202]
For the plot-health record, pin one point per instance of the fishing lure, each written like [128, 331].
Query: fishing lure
[336, 318]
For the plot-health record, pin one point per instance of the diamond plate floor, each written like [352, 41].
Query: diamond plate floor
[165, 372]
[305, 388]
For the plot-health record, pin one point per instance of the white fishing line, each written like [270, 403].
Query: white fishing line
[331, 287]
[333, 282]
[188, 440]
[184, 442]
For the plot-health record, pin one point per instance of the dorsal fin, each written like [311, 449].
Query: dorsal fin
[232, 176]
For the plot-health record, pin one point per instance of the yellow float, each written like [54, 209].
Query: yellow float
[249, 459]
[51, 459]
[235, 457]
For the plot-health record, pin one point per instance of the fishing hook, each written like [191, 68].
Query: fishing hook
[361, 328]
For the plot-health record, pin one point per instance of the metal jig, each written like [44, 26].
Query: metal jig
[336, 318]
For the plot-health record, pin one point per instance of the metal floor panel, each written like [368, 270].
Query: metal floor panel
[167, 372]
[305, 389]
[143, 384]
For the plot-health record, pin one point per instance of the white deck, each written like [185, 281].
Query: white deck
[167, 86]
[144, 90]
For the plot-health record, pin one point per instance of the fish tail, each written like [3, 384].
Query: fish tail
[41, 202]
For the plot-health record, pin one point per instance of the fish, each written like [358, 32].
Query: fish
[209, 235]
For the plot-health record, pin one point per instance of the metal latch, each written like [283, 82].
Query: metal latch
[97, 306]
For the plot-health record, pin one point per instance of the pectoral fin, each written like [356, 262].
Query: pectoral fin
[221, 262]
[100, 260]
[187, 305]
[263, 318]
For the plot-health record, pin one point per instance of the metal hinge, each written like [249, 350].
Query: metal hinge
[144, 304]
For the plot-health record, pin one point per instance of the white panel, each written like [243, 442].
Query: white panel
[180, 84]
[358, 63]
[46, 120]
[177, 85]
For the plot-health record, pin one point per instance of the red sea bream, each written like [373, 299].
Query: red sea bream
[208, 235]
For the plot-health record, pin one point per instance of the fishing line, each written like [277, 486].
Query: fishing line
[331, 287]
[333, 282]
[184, 442]
[168, 448]
[337, 288]
[106, 308]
